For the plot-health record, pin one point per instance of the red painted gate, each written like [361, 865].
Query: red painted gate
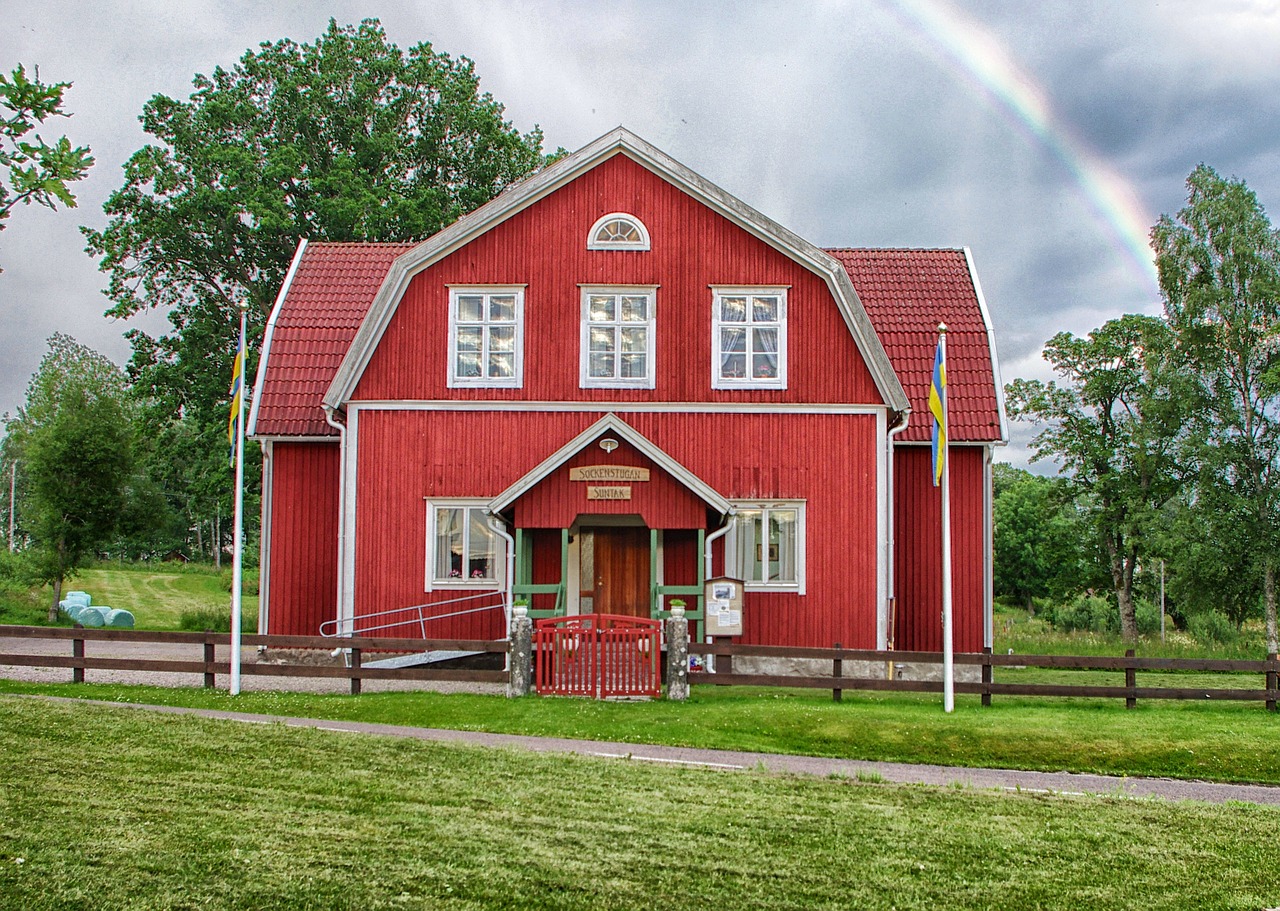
[598, 655]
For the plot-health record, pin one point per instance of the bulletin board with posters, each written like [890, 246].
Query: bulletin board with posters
[723, 607]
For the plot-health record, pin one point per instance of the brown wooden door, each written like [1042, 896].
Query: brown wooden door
[621, 584]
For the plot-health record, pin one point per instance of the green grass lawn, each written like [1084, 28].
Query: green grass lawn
[106, 809]
[1219, 741]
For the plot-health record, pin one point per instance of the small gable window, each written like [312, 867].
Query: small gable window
[618, 231]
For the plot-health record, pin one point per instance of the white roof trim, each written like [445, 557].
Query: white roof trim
[550, 179]
[260, 379]
[610, 423]
[991, 343]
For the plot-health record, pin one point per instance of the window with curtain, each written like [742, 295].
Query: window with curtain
[749, 338]
[767, 545]
[462, 549]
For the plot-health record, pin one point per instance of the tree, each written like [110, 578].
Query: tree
[1113, 428]
[31, 169]
[1037, 537]
[73, 437]
[345, 139]
[1219, 266]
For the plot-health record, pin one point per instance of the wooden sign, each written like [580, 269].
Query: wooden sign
[608, 493]
[609, 473]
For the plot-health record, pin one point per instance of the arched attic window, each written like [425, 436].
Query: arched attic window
[618, 231]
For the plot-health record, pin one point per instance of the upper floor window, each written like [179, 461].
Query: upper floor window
[486, 329]
[749, 338]
[618, 231]
[617, 337]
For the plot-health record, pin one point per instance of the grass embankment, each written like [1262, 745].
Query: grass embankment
[107, 809]
[1222, 741]
[157, 596]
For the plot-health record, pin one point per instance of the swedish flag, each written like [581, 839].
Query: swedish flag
[938, 408]
[237, 395]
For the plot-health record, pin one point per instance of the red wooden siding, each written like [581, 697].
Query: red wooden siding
[918, 549]
[544, 247]
[303, 581]
[827, 460]
[680, 558]
[662, 501]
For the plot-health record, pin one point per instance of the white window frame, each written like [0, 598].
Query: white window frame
[718, 293]
[585, 380]
[594, 244]
[797, 585]
[516, 380]
[431, 583]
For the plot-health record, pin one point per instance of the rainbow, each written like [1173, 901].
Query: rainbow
[982, 60]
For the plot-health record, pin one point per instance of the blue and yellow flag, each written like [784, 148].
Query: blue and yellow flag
[938, 408]
[237, 394]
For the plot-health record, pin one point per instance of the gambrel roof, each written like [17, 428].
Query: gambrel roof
[907, 293]
[338, 299]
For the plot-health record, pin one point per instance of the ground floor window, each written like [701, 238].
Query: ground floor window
[765, 549]
[462, 550]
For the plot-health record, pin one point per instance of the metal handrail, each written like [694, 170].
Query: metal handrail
[332, 629]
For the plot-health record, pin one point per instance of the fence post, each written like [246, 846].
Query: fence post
[209, 679]
[77, 651]
[1130, 680]
[837, 671]
[1273, 679]
[677, 655]
[355, 672]
[520, 678]
[986, 675]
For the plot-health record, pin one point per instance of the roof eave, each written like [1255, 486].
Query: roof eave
[610, 423]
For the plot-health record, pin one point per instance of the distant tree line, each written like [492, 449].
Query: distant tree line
[1166, 431]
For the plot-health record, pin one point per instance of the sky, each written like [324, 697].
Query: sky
[1046, 137]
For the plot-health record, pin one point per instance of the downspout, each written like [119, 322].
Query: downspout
[714, 536]
[342, 506]
[711, 539]
[890, 566]
[264, 544]
[500, 528]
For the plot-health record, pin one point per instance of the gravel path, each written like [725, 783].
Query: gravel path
[175, 652]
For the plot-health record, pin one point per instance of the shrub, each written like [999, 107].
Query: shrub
[1211, 626]
[216, 619]
[1091, 613]
[248, 581]
[1148, 617]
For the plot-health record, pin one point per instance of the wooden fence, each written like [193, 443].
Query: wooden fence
[986, 687]
[205, 660]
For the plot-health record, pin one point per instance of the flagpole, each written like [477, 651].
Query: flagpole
[948, 656]
[237, 564]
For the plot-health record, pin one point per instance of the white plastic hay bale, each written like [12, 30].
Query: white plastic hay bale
[81, 598]
[92, 616]
[119, 619]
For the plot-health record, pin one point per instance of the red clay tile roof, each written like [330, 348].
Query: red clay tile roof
[906, 294]
[330, 294]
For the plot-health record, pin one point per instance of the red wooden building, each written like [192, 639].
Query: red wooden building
[601, 388]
